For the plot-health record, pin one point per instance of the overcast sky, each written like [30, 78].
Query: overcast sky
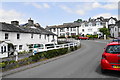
[55, 13]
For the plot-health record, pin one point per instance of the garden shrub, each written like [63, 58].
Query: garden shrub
[75, 47]
[6, 65]
[2, 65]
[71, 48]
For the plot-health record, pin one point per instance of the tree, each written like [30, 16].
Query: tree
[79, 20]
[105, 31]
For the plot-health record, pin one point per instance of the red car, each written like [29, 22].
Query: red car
[83, 38]
[111, 57]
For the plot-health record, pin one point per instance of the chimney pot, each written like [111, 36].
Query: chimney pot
[30, 22]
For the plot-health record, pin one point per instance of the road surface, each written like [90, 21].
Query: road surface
[82, 63]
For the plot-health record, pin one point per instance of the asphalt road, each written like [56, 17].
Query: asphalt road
[83, 63]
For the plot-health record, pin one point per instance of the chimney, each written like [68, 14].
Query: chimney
[15, 23]
[30, 22]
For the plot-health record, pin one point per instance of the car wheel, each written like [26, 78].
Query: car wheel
[103, 71]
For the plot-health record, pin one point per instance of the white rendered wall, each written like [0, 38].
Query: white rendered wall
[25, 38]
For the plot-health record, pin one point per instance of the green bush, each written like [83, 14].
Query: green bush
[71, 48]
[92, 36]
[61, 37]
[56, 52]
[75, 47]
[35, 57]
[63, 51]
[9, 62]
[2, 64]
[6, 65]
[24, 52]
[50, 54]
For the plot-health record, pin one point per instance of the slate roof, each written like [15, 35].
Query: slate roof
[113, 18]
[22, 29]
[65, 25]
[9, 27]
[74, 24]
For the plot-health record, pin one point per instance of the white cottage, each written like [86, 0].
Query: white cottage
[115, 30]
[22, 36]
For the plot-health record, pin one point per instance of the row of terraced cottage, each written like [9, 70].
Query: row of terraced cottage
[90, 26]
[21, 37]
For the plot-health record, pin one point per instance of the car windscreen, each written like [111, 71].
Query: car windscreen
[115, 40]
[114, 49]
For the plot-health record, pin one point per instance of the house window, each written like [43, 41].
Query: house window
[90, 30]
[20, 47]
[115, 29]
[40, 36]
[62, 30]
[18, 36]
[54, 29]
[2, 49]
[53, 37]
[50, 29]
[74, 29]
[31, 35]
[6, 35]
[98, 24]
[71, 29]
[45, 37]
[82, 30]
[48, 37]
[67, 29]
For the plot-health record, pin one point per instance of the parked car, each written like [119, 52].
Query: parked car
[111, 57]
[116, 40]
[83, 38]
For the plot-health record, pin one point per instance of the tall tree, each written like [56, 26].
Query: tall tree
[105, 32]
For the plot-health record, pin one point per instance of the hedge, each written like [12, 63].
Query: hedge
[6, 65]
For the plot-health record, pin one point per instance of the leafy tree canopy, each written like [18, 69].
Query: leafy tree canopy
[105, 31]
[79, 20]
